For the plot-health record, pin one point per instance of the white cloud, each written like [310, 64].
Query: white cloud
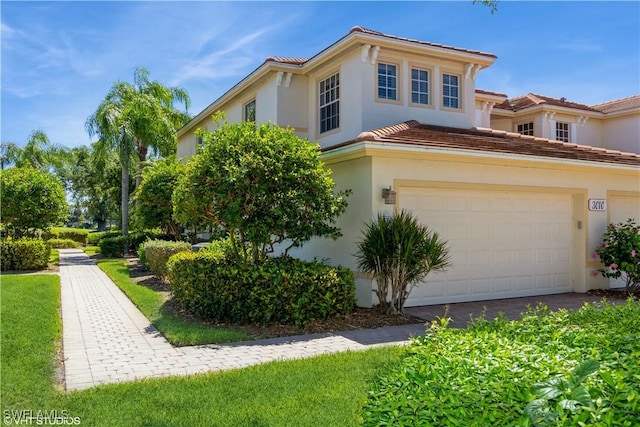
[579, 46]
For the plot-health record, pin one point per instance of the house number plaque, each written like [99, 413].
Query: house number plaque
[597, 205]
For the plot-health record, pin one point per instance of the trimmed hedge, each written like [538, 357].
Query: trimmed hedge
[94, 238]
[106, 239]
[76, 234]
[112, 247]
[63, 243]
[278, 290]
[24, 254]
[156, 253]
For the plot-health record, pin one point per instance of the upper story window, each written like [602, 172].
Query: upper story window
[562, 131]
[250, 111]
[419, 86]
[329, 96]
[525, 128]
[387, 81]
[450, 91]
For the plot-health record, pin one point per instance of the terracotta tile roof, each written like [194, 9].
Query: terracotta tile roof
[531, 99]
[377, 33]
[618, 104]
[488, 92]
[287, 60]
[493, 141]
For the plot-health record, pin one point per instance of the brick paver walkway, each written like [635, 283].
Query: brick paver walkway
[107, 339]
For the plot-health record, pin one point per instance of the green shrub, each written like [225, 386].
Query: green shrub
[620, 254]
[94, 238]
[286, 290]
[76, 234]
[24, 254]
[63, 243]
[549, 369]
[112, 247]
[157, 252]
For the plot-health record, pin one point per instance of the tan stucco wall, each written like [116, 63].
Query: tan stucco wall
[397, 168]
[622, 133]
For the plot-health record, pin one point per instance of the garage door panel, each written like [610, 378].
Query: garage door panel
[502, 244]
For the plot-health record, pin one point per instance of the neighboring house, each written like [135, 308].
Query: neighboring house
[522, 189]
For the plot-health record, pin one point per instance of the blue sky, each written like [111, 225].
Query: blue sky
[59, 59]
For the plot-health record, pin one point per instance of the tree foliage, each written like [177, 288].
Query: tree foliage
[38, 153]
[153, 205]
[263, 185]
[399, 252]
[132, 118]
[620, 254]
[32, 200]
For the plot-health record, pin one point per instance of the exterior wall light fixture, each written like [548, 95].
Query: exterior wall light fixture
[389, 196]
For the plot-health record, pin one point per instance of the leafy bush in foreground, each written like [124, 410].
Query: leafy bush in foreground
[552, 369]
[620, 254]
[24, 254]
[157, 253]
[287, 290]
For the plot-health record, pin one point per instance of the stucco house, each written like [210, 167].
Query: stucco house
[522, 188]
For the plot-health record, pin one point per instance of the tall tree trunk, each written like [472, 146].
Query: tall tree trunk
[141, 150]
[124, 206]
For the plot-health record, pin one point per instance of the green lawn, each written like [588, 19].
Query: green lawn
[177, 330]
[322, 391]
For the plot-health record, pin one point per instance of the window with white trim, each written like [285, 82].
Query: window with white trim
[419, 86]
[562, 131]
[329, 96]
[450, 91]
[525, 128]
[250, 111]
[387, 81]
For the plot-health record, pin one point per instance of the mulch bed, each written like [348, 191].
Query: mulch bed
[360, 318]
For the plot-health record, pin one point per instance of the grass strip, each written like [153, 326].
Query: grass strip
[321, 391]
[177, 330]
[31, 329]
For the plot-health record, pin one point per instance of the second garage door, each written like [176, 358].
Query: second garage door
[503, 244]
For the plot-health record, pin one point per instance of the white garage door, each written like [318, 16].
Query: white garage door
[622, 208]
[503, 244]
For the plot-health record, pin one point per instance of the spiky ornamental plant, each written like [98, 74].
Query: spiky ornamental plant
[399, 252]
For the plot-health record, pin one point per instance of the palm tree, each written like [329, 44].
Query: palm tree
[38, 153]
[399, 252]
[133, 118]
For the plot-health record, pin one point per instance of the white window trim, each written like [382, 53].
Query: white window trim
[431, 93]
[319, 132]
[460, 107]
[567, 125]
[399, 90]
[255, 110]
[526, 123]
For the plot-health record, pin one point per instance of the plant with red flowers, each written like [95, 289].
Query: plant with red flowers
[620, 254]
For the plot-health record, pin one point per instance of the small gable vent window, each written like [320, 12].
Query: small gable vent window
[450, 91]
[329, 95]
[525, 129]
[419, 86]
[250, 111]
[387, 81]
[562, 131]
